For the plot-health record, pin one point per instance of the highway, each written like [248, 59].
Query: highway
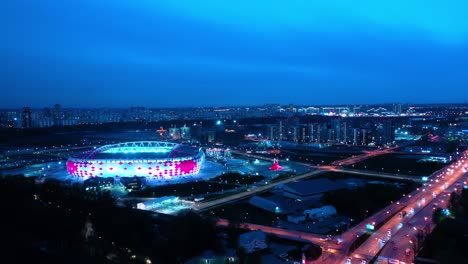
[371, 173]
[358, 158]
[200, 206]
[406, 237]
[394, 237]
[314, 238]
[418, 206]
[260, 157]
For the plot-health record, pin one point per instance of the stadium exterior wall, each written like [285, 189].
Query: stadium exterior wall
[164, 168]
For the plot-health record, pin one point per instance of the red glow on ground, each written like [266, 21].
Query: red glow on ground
[276, 166]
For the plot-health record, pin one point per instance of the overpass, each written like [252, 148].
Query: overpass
[260, 157]
[292, 234]
[359, 158]
[346, 161]
[254, 190]
[371, 173]
[201, 206]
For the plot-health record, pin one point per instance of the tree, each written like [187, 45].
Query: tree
[312, 252]
[242, 254]
[418, 241]
[464, 202]
[192, 233]
[452, 146]
[454, 203]
[454, 200]
[437, 216]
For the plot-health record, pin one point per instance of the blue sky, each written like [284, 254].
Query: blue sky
[119, 53]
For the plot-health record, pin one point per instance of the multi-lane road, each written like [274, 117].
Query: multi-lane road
[437, 194]
[392, 176]
[200, 206]
[396, 240]
[259, 189]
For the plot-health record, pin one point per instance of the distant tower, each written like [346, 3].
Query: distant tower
[57, 114]
[271, 132]
[319, 133]
[57, 111]
[280, 129]
[185, 132]
[345, 133]
[26, 118]
[303, 137]
[295, 133]
[388, 132]
[364, 134]
[174, 133]
[397, 108]
[355, 136]
[46, 112]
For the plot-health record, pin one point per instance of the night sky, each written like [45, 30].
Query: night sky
[158, 53]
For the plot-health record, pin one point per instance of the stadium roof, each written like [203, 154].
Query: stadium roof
[141, 150]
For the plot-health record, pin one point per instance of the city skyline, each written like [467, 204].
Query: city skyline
[239, 132]
[189, 54]
[260, 105]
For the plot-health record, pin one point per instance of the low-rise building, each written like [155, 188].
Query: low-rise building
[312, 214]
[311, 189]
[253, 241]
[321, 212]
[265, 204]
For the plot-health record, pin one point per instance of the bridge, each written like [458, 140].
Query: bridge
[372, 173]
[318, 170]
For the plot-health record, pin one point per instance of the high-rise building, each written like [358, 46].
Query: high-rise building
[271, 132]
[209, 136]
[361, 136]
[388, 131]
[364, 141]
[322, 133]
[57, 114]
[310, 130]
[185, 132]
[280, 131]
[174, 133]
[303, 136]
[345, 135]
[336, 130]
[294, 133]
[397, 108]
[46, 113]
[26, 118]
[57, 111]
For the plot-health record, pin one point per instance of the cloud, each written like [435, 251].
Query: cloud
[443, 21]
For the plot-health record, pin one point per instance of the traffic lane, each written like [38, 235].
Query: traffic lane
[407, 235]
[238, 196]
[422, 222]
[316, 239]
[371, 246]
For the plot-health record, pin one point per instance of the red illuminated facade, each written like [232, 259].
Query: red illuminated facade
[151, 159]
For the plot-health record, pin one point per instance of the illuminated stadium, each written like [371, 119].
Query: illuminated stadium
[151, 159]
